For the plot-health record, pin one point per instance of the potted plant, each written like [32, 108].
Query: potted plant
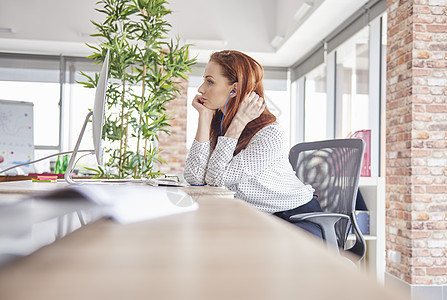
[145, 70]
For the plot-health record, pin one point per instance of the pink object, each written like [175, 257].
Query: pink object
[365, 135]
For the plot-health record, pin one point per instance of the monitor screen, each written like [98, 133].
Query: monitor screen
[98, 120]
[98, 109]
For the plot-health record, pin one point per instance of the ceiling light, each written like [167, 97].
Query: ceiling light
[5, 30]
[302, 11]
[277, 41]
[207, 44]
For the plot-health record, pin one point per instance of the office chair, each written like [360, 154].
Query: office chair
[332, 168]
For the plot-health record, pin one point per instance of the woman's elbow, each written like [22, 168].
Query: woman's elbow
[193, 179]
[213, 180]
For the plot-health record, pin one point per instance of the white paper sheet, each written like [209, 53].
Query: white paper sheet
[128, 203]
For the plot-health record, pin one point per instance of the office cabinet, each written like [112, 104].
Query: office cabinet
[373, 192]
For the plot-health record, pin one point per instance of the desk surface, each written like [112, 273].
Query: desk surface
[224, 250]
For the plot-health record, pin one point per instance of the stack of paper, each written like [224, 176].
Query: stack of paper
[127, 203]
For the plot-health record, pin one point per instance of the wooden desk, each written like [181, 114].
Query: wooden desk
[6, 178]
[224, 250]
[9, 178]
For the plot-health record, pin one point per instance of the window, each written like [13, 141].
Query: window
[352, 84]
[343, 93]
[315, 105]
[277, 97]
[34, 80]
[37, 79]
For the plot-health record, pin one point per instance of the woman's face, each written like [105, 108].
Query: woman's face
[215, 88]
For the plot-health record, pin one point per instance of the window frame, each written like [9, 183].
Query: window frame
[375, 94]
[63, 62]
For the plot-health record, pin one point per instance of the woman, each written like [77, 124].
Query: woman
[238, 143]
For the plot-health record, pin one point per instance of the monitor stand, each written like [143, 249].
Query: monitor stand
[70, 166]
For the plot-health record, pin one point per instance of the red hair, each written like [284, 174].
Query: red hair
[248, 73]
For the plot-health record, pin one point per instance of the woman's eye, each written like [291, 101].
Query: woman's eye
[209, 81]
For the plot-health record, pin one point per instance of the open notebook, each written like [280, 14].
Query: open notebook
[127, 203]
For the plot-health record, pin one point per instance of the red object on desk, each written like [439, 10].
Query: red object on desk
[59, 176]
[365, 135]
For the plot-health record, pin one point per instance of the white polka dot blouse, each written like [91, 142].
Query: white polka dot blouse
[260, 174]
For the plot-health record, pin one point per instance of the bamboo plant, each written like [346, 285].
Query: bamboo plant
[145, 70]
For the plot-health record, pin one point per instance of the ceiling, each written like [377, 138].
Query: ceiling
[62, 26]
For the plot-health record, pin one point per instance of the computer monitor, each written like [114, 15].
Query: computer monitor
[98, 109]
[97, 123]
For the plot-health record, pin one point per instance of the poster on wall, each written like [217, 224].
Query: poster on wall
[365, 135]
[16, 136]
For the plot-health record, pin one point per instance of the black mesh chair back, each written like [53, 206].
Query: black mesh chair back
[332, 168]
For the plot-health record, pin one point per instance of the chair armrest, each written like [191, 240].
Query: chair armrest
[316, 215]
[325, 220]
[359, 247]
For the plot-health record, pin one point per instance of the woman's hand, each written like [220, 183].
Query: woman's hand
[205, 118]
[251, 107]
[197, 103]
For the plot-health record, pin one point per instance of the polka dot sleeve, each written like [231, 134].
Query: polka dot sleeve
[197, 162]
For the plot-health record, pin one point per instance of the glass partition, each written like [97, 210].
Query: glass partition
[352, 84]
[60, 103]
[315, 105]
[34, 80]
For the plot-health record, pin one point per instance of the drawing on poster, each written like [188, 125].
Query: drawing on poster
[16, 135]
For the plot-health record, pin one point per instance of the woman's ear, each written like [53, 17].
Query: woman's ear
[233, 91]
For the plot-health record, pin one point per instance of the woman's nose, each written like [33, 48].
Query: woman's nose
[201, 90]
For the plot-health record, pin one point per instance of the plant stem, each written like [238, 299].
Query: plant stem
[126, 133]
[145, 149]
[121, 126]
[141, 114]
